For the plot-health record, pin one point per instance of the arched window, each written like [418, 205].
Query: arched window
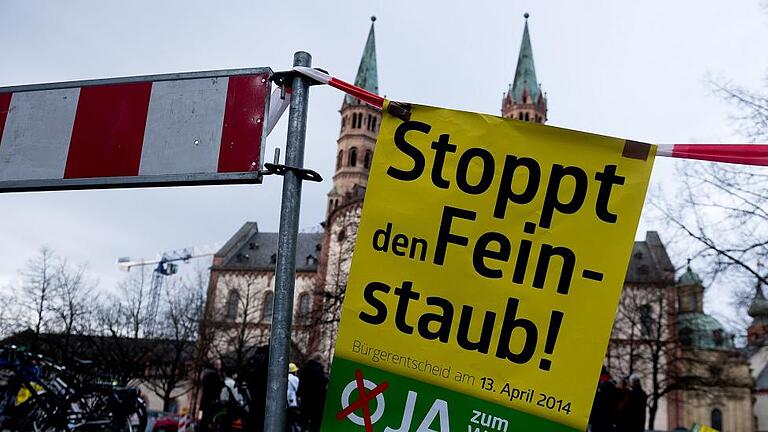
[230, 308]
[373, 123]
[527, 117]
[520, 116]
[304, 307]
[267, 306]
[686, 336]
[352, 156]
[646, 320]
[339, 158]
[367, 159]
[343, 122]
[718, 337]
[716, 419]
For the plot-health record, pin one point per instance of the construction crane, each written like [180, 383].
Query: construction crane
[165, 265]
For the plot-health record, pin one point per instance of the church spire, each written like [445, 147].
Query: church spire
[357, 138]
[367, 73]
[525, 73]
[524, 99]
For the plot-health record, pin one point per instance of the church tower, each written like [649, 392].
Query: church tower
[757, 332]
[357, 138]
[524, 99]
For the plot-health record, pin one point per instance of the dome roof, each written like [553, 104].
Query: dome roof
[700, 331]
[689, 278]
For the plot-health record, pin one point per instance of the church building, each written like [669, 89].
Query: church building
[688, 363]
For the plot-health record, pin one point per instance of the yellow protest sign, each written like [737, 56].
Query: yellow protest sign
[488, 266]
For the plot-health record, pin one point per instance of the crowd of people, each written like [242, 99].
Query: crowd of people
[305, 398]
[618, 406]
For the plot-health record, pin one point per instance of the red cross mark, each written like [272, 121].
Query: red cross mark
[364, 400]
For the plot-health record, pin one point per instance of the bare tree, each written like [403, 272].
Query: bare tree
[341, 245]
[72, 300]
[119, 322]
[752, 105]
[643, 340]
[177, 332]
[36, 291]
[646, 342]
[242, 322]
[722, 209]
[9, 315]
[331, 285]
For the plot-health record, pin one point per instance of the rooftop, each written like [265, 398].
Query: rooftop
[649, 262]
[250, 249]
[701, 331]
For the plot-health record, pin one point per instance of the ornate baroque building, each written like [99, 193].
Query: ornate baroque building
[688, 362]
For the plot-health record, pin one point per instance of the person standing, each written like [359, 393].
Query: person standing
[313, 384]
[635, 405]
[212, 384]
[255, 377]
[605, 406]
[292, 416]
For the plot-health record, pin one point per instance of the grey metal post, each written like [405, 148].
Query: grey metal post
[285, 272]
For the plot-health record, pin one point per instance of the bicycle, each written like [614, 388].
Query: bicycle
[39, 395]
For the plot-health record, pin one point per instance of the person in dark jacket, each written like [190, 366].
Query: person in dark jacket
[313, 384]
[635, 406]
[255, 377]
[212, 384]
[605, 406]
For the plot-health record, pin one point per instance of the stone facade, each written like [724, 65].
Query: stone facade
[241, 292]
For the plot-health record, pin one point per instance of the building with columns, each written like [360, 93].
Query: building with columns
[660, 333]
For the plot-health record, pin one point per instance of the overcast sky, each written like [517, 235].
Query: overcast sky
[625, 68]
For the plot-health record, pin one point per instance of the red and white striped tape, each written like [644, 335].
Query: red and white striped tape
[205, 125]
[745, 154]
[350, 89]
[185, 422]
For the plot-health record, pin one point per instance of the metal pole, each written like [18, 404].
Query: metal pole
[285, 272]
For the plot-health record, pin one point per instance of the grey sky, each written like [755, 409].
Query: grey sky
[630, 69]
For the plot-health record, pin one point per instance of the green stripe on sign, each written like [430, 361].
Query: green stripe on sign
[398, 404]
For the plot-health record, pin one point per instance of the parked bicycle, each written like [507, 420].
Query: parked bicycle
[36, 394]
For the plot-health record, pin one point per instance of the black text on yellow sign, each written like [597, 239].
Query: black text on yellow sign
[498, 247]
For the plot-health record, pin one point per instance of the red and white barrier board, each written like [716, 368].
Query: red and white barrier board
[177, 129]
